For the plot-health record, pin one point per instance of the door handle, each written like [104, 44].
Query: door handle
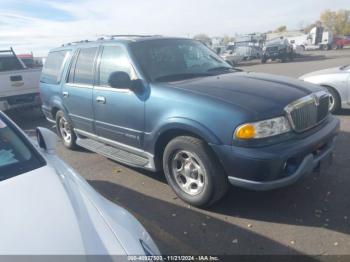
[101, 99]
[65, 94]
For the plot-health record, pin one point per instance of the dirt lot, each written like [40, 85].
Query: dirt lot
[310, 217]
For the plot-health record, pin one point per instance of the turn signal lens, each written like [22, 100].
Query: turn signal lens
[246, 131]
[261, 129]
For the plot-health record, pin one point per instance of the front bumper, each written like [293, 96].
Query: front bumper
[279, 165]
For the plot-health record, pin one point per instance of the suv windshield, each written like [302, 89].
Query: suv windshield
[177, 59]
[16, 154]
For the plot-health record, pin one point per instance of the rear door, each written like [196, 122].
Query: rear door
[77, 91]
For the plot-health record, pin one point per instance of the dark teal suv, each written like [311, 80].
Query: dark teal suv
[172, 104]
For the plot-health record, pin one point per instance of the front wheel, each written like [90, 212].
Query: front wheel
[193, 172]
[334, 100]
[65, 130]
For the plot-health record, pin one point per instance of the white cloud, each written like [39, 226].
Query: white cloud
[91, 18]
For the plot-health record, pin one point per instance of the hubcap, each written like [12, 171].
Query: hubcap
[188, 172]
[65, 130]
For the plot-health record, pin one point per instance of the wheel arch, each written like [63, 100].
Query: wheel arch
[336, 92]
[57, 105]
[170, 131]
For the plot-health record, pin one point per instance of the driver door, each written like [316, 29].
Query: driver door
[118, 113]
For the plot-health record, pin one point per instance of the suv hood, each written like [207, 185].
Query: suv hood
[261, 94]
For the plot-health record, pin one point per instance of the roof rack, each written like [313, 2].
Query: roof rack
[109, 37]
[77, 42]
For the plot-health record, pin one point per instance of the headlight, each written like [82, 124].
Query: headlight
[262, 129]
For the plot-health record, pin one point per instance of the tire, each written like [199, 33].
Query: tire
[335, 100]
[65, 130]
[291, 56]
[197, 162]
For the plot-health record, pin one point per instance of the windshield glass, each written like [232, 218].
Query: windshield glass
[176, 59]
[16, 155]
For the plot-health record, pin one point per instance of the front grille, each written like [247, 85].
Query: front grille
[308, 111]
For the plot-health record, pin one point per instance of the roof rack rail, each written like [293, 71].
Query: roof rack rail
[77, 42]
[110, 37]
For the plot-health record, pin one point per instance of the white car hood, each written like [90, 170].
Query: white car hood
[41, 214]
[328, 71]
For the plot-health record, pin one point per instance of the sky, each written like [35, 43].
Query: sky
[39, 25]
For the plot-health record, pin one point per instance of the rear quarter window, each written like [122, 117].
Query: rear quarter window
[8, 63]
[52, 71]
[83, 72]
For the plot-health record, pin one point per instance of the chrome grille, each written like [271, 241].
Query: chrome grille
[308, 111]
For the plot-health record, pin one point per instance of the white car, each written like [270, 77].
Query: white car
[48, 209]
[232, 58]
[337, 81]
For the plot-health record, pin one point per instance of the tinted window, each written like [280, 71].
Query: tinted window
[16, 155]
[53, 67]
[8, 63]
[84, 68]
[114, 58]
[72, 68]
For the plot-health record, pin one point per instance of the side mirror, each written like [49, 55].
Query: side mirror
[119, 79]
[47, 140]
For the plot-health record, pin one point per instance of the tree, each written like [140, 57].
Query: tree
[227, 39]
[205, 39]
[336, 21]
[281, 29]
[342, 22]
[327, 18]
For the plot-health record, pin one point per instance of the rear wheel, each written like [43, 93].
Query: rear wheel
[65, 130]
[291, 56]
[193, 172]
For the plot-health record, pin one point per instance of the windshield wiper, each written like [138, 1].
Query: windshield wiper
[176, 77]
[222, 68]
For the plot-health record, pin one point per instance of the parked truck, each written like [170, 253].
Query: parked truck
[318, 38]
[19, 85]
